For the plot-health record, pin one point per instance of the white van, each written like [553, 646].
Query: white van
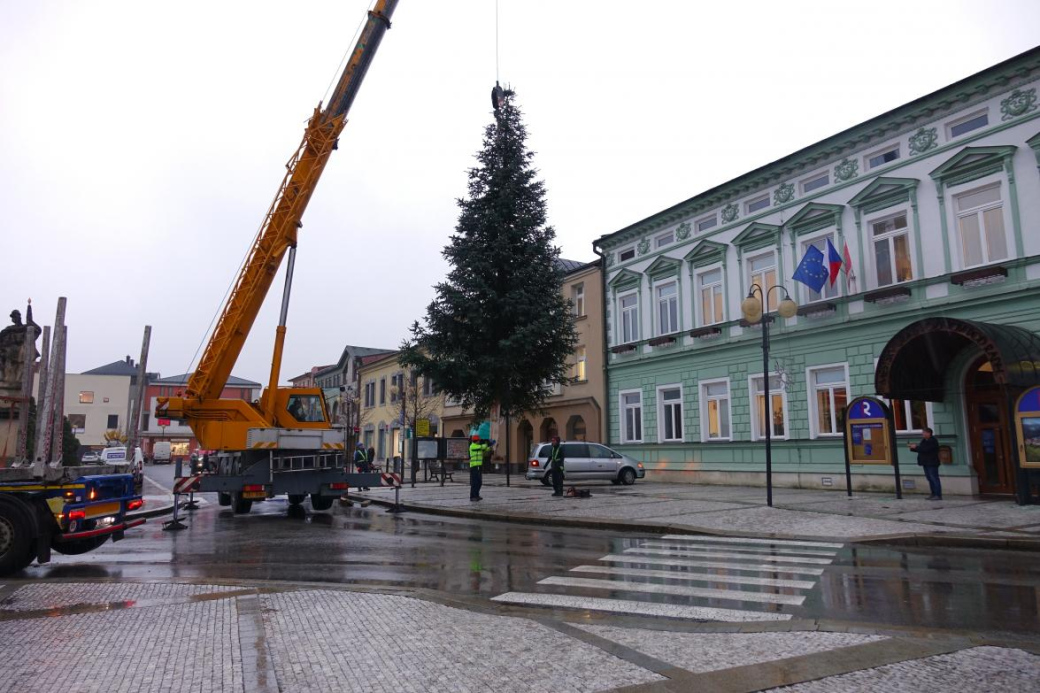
[113, 456]
[161, 452]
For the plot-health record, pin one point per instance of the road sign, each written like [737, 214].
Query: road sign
[162, 422]
[422, 428]
[187, 484]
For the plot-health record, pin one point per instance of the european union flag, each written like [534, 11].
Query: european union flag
[811, 271]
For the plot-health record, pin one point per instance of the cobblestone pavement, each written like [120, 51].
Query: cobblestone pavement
[202, 638]
[738, 510]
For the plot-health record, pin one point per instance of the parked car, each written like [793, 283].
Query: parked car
[89, 457]
[585, 461]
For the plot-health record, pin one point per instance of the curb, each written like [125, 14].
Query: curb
[914, 540]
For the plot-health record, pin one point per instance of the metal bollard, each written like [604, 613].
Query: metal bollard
[175, 524]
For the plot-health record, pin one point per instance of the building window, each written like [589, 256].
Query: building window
[579, 300]
[762, 271]
[881, 158]
[828, 397]
[816, 182]
[113, 422]
[382, 391]
[144, 422]
[370, 394]
[891, 250]
[627, 254]
[669, 414]
[980, 222]
[707, 223]
[429, 389]
[910, 416]
[979, 119]
[78, 422]
[777, 408]
[664, 239]
[579, 365]
[668, 308]
[628, 307]
[828, 291]
[632, 417]
[395, 385]
[715, 412]
[757, 204]
[709, 288]
[86, 397]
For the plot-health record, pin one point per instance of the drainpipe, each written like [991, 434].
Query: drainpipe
[605, 423]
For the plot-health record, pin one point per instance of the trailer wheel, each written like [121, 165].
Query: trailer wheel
[224, 499]
[241, 505]
[297, 498]
[79, 546]
[15, 541]
[321, 502]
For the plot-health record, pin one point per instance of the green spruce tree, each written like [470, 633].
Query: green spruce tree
[499, 330]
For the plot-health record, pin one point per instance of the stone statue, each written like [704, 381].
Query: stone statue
[12, 353]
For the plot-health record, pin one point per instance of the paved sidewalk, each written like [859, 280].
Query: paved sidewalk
[139, 637]
[740, 511]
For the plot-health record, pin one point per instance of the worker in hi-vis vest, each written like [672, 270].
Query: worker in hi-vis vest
[556, 466]
[477, 450]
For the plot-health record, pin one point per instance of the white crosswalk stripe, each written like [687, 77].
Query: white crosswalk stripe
[687, 576]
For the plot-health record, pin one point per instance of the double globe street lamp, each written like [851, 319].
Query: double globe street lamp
[754, 310]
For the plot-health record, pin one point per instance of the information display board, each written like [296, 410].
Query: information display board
[456, 448]
[427, 449]
[422, 428]
[1027, 425]
[870, 437]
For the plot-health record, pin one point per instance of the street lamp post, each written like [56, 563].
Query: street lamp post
[754, 309]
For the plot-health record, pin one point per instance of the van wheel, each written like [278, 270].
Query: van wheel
[241, 505]
[224, 499]
[321, 502]
[15, 543]
[627, 476]
[547, 480]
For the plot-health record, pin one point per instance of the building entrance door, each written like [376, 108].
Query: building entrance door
[989, 431]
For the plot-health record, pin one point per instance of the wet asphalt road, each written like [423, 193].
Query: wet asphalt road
[981, 591]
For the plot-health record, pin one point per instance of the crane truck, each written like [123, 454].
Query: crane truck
[283, 443]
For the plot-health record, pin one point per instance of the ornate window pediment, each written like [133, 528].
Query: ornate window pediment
[813, 217]
[882, 193]
[624, 279]
[664, 267]
[706, 253]
[756, 236]
[972, 163]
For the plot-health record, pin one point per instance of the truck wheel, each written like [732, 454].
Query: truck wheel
[321, 502]
[224, 499]
[78, 546]
[297, 498]
[15, 540]
[241, 505]
[628, 476]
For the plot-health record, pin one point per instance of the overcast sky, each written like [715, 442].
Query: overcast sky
[141, 142]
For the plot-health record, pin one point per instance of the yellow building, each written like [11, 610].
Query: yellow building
[389, 395]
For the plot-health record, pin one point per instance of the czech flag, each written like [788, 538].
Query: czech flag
[834, 261]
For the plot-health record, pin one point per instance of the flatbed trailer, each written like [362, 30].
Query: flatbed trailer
[70, 510]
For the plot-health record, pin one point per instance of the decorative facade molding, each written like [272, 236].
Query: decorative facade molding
[706, 253]
[757, 235]
[729, 213]
[923, 140]
[783, 194]
[683, 231]
[644, 246]
[846, 170]
[813, 217]
[972, 163]
[1020, 102]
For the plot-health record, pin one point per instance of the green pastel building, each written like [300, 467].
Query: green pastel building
[937, 205]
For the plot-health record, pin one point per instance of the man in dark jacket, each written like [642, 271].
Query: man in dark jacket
[556, 466]
[928, 457]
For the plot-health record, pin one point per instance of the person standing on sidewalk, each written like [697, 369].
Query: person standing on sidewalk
[477, 450]
[556, 466]
[928, 457]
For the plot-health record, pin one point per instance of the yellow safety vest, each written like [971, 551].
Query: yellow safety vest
[476, 454]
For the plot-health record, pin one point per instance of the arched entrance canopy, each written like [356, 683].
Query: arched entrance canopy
[914, 363]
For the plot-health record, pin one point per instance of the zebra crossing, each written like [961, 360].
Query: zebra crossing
[694, 577]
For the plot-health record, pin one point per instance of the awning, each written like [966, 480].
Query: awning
[915, 362]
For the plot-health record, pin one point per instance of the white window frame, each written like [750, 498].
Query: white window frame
[803, 243]
[579, 300]
[714, 219]
[755, 433]
[661, 413]
[622, 251]
[698, 305]
[950, 125]
[868, 226]
[703, 406]
[814, 414]
[929, 418]
[581, 364]
[897, 147]
[998, 180]
[773, 297]
[760, 198]
[621, 317]
[623, 416]
[664, 239]
[813, 178]
[658, 327]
